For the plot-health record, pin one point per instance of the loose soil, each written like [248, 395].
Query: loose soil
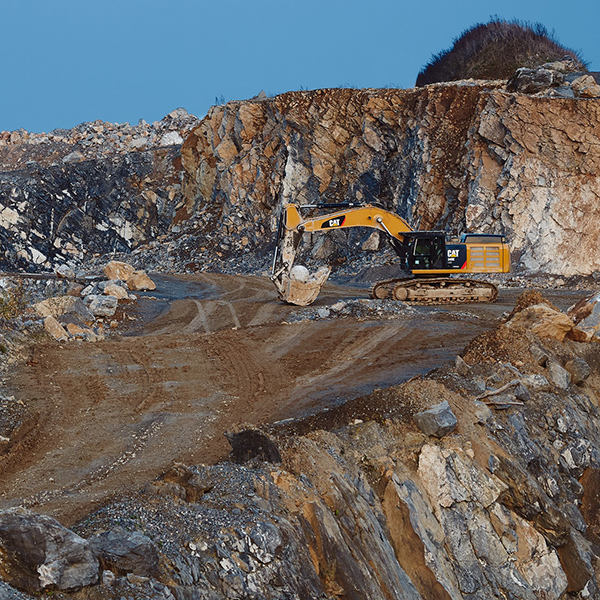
[202, 355]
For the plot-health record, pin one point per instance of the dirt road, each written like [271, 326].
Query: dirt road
[207, 353]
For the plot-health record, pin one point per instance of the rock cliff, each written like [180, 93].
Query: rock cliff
[461, 156]
[464, 156]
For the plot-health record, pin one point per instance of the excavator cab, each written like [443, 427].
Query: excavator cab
[426, 250]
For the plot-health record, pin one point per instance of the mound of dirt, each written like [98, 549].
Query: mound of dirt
[530, 298]
[499, 345]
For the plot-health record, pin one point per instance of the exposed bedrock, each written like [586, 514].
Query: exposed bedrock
[465, 156]
[449, 156]
[96, 188]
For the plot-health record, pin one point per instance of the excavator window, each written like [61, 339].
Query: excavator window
[422, 253]
[422, 247]
[428, 253]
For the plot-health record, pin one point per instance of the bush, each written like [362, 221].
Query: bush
[495, 50]
[13, 301]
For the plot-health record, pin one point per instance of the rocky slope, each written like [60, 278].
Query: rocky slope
[504, 506]
[462, 156]
[98, 188]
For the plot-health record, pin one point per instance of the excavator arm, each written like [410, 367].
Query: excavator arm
[294, 284]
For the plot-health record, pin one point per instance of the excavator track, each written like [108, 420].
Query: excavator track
[435, 291]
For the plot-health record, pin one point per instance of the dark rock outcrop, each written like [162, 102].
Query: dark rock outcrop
[125, 552]
[97, 188]
[37, 552]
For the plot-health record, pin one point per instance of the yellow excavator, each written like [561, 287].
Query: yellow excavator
[428, 256]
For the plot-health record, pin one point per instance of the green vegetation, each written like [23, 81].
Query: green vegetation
[13, 302]
[495, 50]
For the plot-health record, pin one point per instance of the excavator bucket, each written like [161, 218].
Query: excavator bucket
[294, 282]
[299, 287]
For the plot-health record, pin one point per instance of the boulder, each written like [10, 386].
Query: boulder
[116, 269]
[535, 381]
[506, 400]
[482, 412]
[37, 552]
[586, 87]
[299, 273]
[558, 375]
[125, 552]
[55, 329]
[83, 332]
[101, 306]
[540, 356]
[181, 481]
[579, 335]
[63, 271]
[56, 306]
[139, 280]
[438, 421]
[585, 308]
[566, 65]
[586, 315]
[59, 306]
[578, 369]
[118, 291]
[372, 243]
[543, 321]
[171, 138]
[462, 367]
[531, 81]
[521, 393]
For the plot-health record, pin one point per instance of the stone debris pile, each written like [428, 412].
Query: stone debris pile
[559, 79]
[71, 195]
[92, 141]
[81, 312]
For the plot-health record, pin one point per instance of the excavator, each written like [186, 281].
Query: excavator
[429, 257]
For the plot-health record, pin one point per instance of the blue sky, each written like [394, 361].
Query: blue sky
[69, 61]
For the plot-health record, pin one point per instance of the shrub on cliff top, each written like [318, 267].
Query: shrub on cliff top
[495, 50]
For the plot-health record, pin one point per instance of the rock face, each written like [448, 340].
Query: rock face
[37, 552]
[466, 156]
[455, 156]
[96, 188]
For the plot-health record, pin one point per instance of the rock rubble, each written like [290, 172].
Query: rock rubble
[94, 189]
[504, 505]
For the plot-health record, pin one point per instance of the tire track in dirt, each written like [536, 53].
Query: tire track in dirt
[109, 417]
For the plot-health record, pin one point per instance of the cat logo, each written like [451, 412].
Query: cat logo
[453, 253]
[337, 222]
